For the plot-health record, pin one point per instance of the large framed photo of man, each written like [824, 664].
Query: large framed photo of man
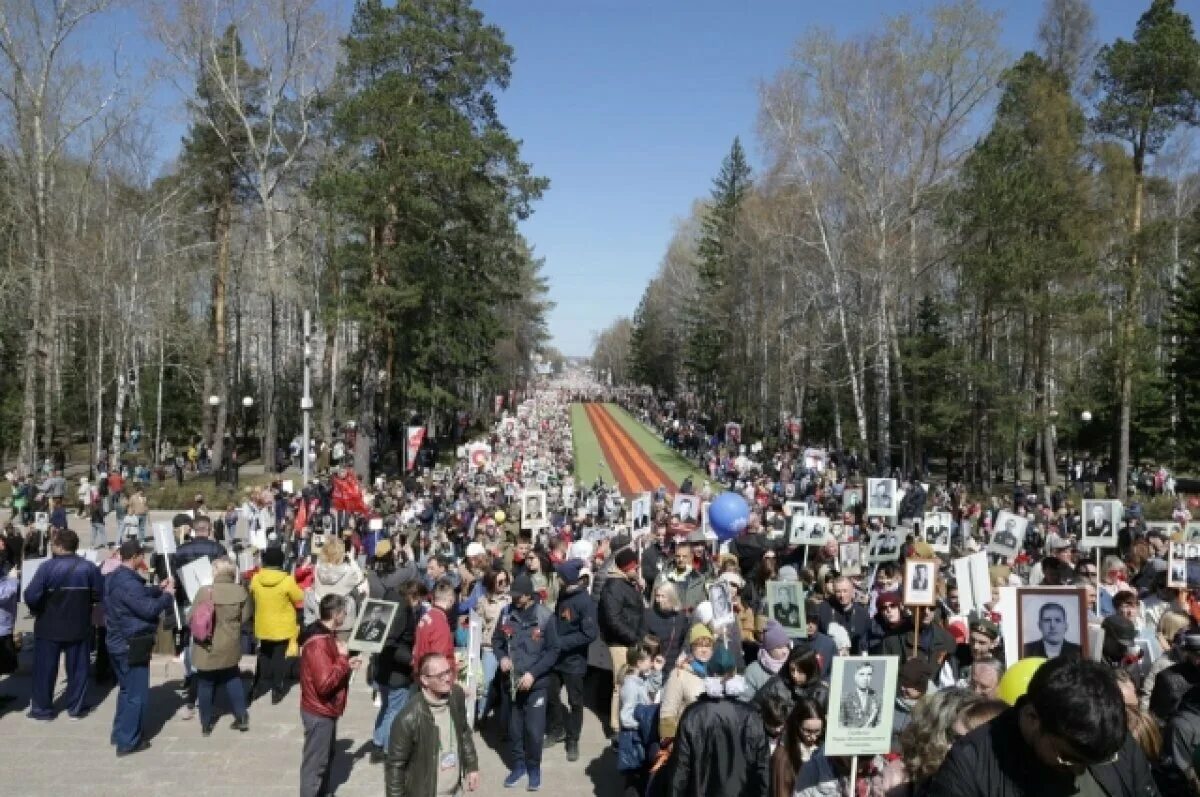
[850, 558]
[685, 514]
[533, 509]
[1051, 622]
[639, 514]
[937, 531]
[785, 605]
[817, 528]
[794, 509]
[862, 699]
[1101, 520]
[371, 626]
[1008, 535]
[881, 498]
[884, 547]
[721, 598]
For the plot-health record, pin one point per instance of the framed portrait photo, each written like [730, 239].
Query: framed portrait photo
[1192, 531]
[1051, 622]
[1177, 565]
[1008, 535]
[1101, 522]
[785, 605]
[881, 498]
[371, 626]
[937, 531]
[851, 497]
[862, 699]
[796, 509]
[850, 558]
[639, 514]
[533, 509]
[685, 514]
[920, 582]
[817, 528]
[721, 598]
[884, 547]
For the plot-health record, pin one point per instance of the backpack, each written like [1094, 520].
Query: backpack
[203, 619]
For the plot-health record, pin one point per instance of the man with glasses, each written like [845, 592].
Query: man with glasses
[431, 749]
[1066, 735]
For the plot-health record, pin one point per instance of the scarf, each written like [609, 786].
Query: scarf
[769, 662]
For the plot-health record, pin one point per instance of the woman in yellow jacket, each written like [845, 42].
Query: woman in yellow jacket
[276, 597]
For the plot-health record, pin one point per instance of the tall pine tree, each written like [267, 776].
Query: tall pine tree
[717, 267]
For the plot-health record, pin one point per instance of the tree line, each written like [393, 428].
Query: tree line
[363, 175]
[951, 253]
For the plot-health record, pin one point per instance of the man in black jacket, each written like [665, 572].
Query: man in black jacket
[576, 617]
[416, 753]
[393, 671]
[621, 617]
[1174, 682]
[1067, 735]
[841, 608]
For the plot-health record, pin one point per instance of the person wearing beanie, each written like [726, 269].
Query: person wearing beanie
[621, 620]
[891, 629]
[772, 654]
[276, 597]
[686, 683]
[575, 616]
[914, 683]
[526, 645]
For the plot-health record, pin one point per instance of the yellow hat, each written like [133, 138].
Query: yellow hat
[699, 631]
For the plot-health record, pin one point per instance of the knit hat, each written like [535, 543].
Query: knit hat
[888, 599]
[699, 631]
[475, 549]
[788, 573]
[571, 570]
[626, 560]
[721, 663]
[273, 557]
[522, 585]
[774, 636]
[915, 674]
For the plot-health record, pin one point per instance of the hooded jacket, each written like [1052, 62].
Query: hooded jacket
[275, 596]
[341, 579]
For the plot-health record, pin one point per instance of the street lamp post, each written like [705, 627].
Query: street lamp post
[306, 402]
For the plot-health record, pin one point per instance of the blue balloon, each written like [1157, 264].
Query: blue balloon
[728, 515]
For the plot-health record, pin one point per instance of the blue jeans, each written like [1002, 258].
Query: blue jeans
[392, 700]
[490, 665]
[131, 702]
[99, 536]
[207, 682]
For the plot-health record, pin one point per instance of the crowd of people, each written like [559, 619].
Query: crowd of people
[497, 599]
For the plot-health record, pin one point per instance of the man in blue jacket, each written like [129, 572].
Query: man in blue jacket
[61, 596]
[132, 608]
[526, 644]
[575, 615]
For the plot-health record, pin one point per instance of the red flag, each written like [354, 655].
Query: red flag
[414, 437]
[301, 517]
[347, 494]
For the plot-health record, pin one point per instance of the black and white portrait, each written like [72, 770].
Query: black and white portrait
[1177, 566]
[1192, 532]
[861, 705]
[818, 530]
[796, 508]
[1101, 520]
[850, 558]
[881, 497]
[851, 497]
[533, 509]
[937, 531]
[722, 603]
[885, 547]
[371, 626]
[686, 509]
[639, 512]
[786, 602]
[1051, 622]
[920, 582]
[1008, 535]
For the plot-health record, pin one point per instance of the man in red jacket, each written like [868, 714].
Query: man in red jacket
[325, 667]
[433, 629]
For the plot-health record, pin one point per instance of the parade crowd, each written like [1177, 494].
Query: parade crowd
[496, 600]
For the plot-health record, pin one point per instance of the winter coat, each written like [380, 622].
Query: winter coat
[275, 596]
[199, 548]
[345, 579]
[412, 754]
[61, 595]
[433, 635]
[324, 675]
[621, 610]
[395, 662]
[670, 629]
[854, 619]
[529, 638]
[756, 677]
[1170, 687]
[783, 692]
[683, 688]
[995, 761]
[575, 613]
[132, 608]
[690, 587]
[224, 650]
[721, 750]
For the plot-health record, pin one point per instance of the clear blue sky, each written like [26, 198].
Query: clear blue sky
[628, 107]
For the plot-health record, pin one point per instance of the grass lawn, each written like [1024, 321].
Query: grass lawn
[589, 459]
[671, 462]
[169, 495]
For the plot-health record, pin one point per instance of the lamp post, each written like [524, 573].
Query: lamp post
[306, 403]
[247, 404]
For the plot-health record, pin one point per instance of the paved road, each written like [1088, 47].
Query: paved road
[43, 758]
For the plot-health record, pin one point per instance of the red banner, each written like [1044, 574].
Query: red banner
[414, 436]
[347, 494]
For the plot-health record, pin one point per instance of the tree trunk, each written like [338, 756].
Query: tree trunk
[222, 228]
[1129, 317]
[883, 391]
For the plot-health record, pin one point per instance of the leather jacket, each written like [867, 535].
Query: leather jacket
[412, 754]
